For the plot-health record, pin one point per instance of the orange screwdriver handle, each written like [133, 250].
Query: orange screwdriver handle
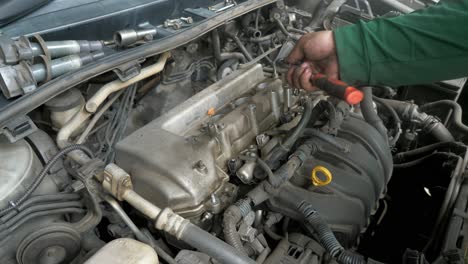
[337, 88]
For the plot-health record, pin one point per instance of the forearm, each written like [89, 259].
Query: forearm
[422, 47]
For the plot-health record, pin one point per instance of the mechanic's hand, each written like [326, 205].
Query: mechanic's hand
[314, 52]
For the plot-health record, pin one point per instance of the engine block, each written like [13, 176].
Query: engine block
[180, 159]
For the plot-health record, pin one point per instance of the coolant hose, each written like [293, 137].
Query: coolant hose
[289, 142]
[411, 113]
[326, 237]
[419, 152]
[456, 115]
[370, 115]
[225, 55]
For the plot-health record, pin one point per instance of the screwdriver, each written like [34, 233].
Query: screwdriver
[337, 88]
[332, 86]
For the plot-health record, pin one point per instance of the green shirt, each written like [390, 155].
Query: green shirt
[422, 47]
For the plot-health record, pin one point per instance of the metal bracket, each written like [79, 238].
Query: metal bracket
[19, 128]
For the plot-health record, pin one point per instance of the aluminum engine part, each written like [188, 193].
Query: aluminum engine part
[360, 172]
[179, 160]
[19, 167]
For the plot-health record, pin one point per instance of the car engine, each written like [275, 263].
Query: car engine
[166, 131]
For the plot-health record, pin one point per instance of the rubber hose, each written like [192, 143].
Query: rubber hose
[456, 115]
[306, 117]
[440, 132]
[40, 199]
[4, 234]
[412, 163]
[395, 117]
[213, 246]
[241, 46]
[430, 124]
[327, 237]
[370, 115]
[220, 57]
[262, 164]
[42, 174]
[402, 156]
[38, 208]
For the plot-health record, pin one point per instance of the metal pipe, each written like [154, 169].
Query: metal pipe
[72, 125]
[186, 231]
[128, 37]
[118, 209]
[62, 65]
[96, 100]
[66, 47]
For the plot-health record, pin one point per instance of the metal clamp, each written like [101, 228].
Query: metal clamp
[116, 181]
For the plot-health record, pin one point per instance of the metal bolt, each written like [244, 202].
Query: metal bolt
[148, 37]
[188, 20]
[206, 216]
[214, 199]
[174, 23]
[200, 166]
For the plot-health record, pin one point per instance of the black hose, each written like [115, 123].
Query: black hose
[42, 174]
[410, 112]
[45, 92]
[262, 164]
[38, 208]
[456, 114]
[395, 117]
[310, 115]
[39, 199]
[61, 211]
[440, 132]
[213, 246]
[412, 163]
[326, 237]
[297, 132]
[220, 57]
[370, 115]
[402, 156]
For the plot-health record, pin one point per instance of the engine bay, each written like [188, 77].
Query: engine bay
[178, 139]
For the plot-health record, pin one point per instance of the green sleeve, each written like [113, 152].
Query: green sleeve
[422, 47]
